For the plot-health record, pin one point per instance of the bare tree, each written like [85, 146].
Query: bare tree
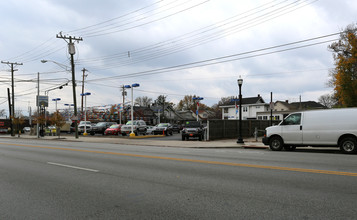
[2, 112]
[327, 100]
[143, 101]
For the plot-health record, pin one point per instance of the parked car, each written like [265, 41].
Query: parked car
[3, 130]
[176, 128]
[81, 125]
[100, 127]
[327, 128]
[27, 129]
[113, 130]
[150, 129]
[139, 127]
[163, 128]
[50, 130]
[192, 129]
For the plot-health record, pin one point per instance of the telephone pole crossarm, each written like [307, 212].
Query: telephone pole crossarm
[12, 92]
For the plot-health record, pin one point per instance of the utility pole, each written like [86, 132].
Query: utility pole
[84, 75]
[72, 51]
[38, 106]
[10, 114]
[271, 108]
[123, 93]
[12, 91]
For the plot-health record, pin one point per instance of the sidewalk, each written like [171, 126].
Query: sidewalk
[152, 141]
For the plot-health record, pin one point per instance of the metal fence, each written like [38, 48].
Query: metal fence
[221, 129]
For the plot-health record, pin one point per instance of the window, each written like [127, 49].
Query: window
[293, 119]
[257, 106]
[265, 117]
[225, 110]
[245, 109]
[259, 117]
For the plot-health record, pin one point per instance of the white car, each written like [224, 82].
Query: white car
[150, 129]
[81, 125]
[139, 127]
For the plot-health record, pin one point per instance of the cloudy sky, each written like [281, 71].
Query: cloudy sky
[170, 47]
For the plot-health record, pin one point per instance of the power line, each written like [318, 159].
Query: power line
[109, 31]
[195, 38]
[223, 59]
[116, 18]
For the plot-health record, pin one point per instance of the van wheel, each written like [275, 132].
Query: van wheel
[289, 148]
[276, 143]
[183, 138]
[348, 145]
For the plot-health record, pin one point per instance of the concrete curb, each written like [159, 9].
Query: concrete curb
[151, 141]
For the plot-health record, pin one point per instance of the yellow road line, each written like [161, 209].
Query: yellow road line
[195, 161]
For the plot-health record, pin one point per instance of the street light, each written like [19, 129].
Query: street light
[85, 111]
[71, 52]
[240, 139]
[56, 114]
[56, 99]
[198, 105]
[69, 110]
[132, 134]
[59, 64]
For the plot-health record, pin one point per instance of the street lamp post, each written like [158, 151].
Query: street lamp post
[85, 111]
[132, 134]
[56, 99]
[198, 105]
[69, 110]
[240, 139]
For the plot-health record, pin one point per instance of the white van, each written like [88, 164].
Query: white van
[327, 128]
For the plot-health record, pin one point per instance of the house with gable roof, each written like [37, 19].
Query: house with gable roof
[284, 108]
[250, 107]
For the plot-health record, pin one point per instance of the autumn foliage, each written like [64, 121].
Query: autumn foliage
[344, 76]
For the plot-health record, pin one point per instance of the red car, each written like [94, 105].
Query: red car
[113, 130]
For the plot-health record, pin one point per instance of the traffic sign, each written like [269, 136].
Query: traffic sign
[42, 100]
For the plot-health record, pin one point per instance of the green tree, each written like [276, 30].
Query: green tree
[344, 76]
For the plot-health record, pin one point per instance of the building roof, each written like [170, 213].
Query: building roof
[247, 101]
[306, 105]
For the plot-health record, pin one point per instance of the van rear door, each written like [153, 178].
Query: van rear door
[291, 129]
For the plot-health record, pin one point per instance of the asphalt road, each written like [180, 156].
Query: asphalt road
[76, 180]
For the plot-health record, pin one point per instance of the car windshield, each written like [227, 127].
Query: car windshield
[192, 124]
[114, 126]
[101, 124]
[129, 123]
[162, 125]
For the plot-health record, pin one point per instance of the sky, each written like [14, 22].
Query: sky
[170, 47]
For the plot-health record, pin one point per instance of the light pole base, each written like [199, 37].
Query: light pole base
[85, 134]
[240, 141]
[132, 134]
